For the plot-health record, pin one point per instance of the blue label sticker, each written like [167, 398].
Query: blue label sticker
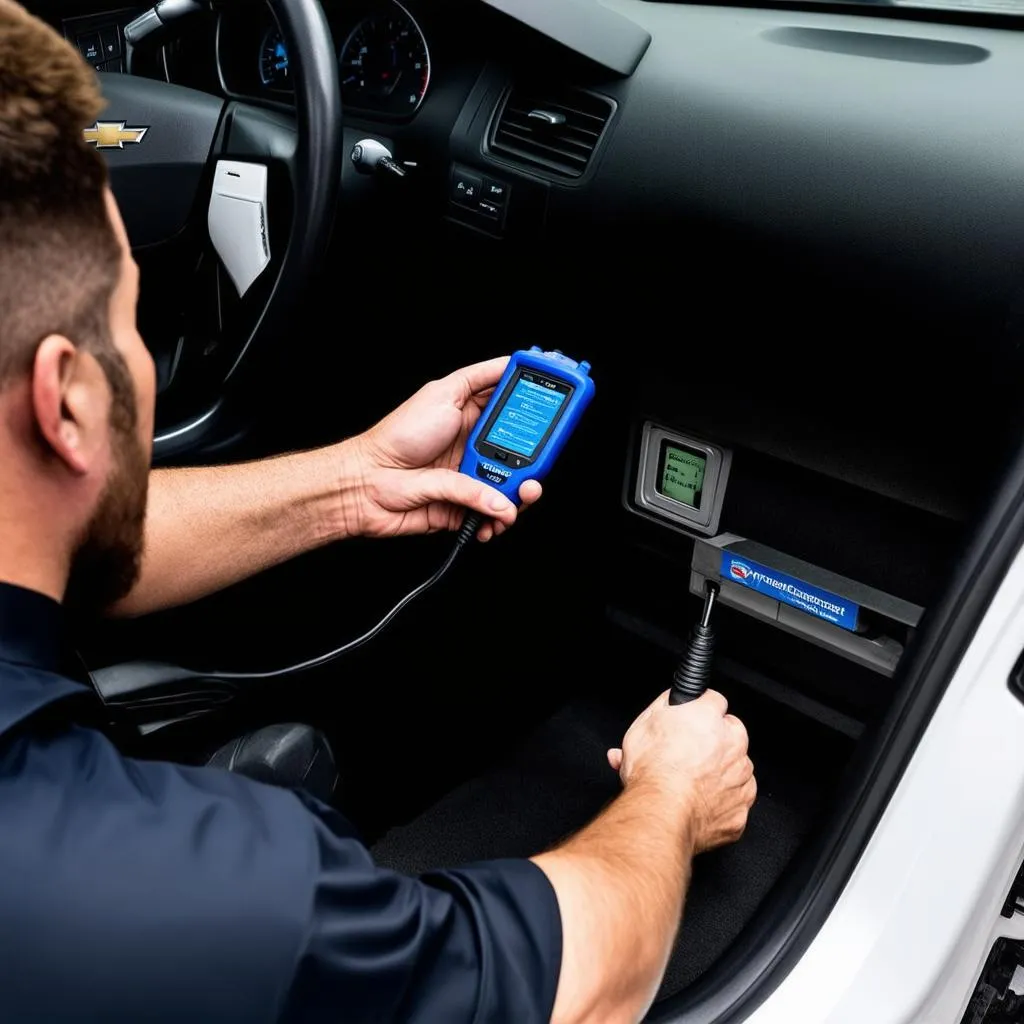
[788, 589]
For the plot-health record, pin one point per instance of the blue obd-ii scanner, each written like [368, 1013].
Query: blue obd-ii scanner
[533, 412]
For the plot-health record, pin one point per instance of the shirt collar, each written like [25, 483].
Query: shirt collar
[32, 653]
[31, 628]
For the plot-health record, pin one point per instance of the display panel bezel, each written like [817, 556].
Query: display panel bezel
[648, 500]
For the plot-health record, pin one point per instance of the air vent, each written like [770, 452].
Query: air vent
[554, 129]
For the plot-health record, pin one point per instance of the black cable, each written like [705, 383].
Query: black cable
[466, 533]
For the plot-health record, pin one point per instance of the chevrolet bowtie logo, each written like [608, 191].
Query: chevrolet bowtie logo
[112, 134]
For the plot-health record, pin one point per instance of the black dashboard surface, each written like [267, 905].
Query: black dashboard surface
[800, 231]
[877, 138]
[894, 139]
[892, 143]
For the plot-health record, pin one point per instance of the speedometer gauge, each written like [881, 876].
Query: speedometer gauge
[385, 64]
[274, 61]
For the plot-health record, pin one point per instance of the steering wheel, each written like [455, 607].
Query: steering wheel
[230, 206]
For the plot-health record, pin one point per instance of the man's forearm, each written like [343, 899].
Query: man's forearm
[209, 527]
[620, 885]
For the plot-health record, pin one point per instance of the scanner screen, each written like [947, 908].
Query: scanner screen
[529, 412]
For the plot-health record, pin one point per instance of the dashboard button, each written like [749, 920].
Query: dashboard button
[488, 209]
[495, 191]
[90, 47]
[110, 41]
[466, 187]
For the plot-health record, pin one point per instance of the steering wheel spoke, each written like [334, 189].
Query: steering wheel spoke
[254, 169]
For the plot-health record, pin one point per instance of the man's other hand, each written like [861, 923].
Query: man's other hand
[407, 465]
[697, 752]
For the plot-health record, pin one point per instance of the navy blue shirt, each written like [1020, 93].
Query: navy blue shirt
[142, 891]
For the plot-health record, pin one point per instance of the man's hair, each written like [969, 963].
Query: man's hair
[59, 256]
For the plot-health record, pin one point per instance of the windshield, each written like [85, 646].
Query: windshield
[1012, 7]
[982, 6]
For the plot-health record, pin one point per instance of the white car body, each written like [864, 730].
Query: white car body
[910, 934]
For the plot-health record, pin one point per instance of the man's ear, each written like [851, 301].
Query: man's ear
[69, 402]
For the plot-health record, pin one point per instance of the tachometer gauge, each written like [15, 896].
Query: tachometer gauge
[274, 61]
[385, 64]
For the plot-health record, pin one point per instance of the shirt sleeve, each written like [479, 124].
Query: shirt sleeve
[478, 944]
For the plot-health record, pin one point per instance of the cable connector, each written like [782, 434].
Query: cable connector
[693, 673]
[467, 531]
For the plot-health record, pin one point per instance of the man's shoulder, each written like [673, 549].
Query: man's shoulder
[75, 796]
[197, 877]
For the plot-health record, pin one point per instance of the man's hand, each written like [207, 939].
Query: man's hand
[408, 463]
[620, 881]
[698, 752]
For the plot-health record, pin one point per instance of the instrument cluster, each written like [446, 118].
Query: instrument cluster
[383, 58]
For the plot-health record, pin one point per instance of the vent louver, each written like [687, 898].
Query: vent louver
[555, 129]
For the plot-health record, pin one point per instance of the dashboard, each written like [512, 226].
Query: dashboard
[795, 230]
[383, 56]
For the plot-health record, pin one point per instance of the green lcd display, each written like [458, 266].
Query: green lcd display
[681, 473]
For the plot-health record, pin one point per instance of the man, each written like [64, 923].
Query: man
[135, 891]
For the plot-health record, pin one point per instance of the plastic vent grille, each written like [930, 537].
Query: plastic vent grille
[554, 129]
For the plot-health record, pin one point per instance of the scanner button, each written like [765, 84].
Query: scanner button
[500, 455]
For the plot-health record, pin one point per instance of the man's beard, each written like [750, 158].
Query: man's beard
[106, 564]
